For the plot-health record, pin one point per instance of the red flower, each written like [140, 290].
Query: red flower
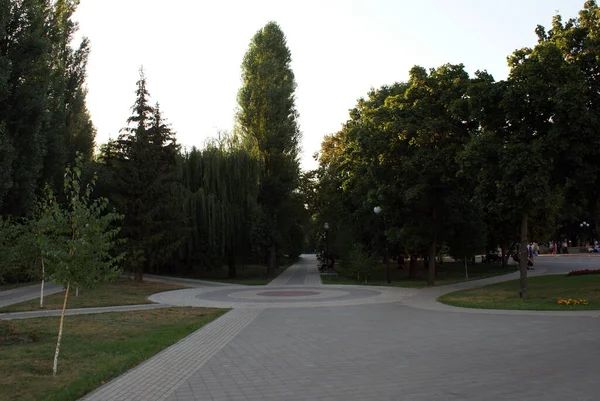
[583, 272]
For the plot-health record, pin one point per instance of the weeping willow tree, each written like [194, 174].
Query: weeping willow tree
[221, 185]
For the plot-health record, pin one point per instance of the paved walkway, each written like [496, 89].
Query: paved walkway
[381, 345]
[22, 294]
[186, 282]
[78, 311]
[305, 272]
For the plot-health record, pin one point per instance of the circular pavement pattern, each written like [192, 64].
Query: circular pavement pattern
[282, 296]
[286, 293]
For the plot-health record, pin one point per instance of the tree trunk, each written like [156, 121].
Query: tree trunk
[466, 270]
[502, 253]
[386, 256]
[42, 286]
[60, 329]
[523, 258]
[138, 276]
[231, 265]
[401, 262]
[412, 266]
[272, 265]
[431, 263]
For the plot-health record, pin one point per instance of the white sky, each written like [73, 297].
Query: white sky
[191, 51]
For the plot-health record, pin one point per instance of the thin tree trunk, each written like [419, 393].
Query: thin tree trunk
[60, 329]
[523, 258]
[387, 264]
[272, 259]
[76, 291]
[431, 263]
[466, 271]
[138, 277]
[412, 267]
[503, 251]
[42, 286]
[231, 265]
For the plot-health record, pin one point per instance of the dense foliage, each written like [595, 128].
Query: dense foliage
[456, 163]
[467, 163]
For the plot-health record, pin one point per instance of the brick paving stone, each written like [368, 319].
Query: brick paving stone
[395, 352]
[412, 349]
[169, 369]
[305, 272]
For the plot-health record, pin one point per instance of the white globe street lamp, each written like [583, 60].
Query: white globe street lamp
[584, 225]
[378, 210]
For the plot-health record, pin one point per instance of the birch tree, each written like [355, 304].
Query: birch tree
[82, 255]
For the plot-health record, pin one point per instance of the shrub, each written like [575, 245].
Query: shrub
[359, 263]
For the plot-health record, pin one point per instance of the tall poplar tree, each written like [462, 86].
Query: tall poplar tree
[267, 117]
[43, 118]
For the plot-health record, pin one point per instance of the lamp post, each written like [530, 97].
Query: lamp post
[326, 228]
[378, 211]
[584, 226]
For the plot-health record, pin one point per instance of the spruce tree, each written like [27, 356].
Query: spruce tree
[143, 166]
[267, 118]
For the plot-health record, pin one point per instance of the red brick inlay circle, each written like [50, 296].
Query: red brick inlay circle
[287, 293]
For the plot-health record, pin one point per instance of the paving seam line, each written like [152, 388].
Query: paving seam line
[174, 365]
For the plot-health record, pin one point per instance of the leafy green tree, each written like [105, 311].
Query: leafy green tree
[267, 118]
[84, 237]
[26, 48]
[400, 147]
[577, 141]
[10, 234]
[220, 192]
[534, 92]
[43, 118]
[6, 142]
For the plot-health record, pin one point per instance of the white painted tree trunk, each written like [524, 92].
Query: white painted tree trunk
[42, 286]
[60, 329]
[76, 291]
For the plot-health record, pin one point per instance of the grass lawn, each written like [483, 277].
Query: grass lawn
[446, 273]
[543, 293]
[246, 275]
[121, 292]
[94, 349]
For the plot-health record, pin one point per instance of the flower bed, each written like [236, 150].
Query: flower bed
[583, 272]
[573, 302]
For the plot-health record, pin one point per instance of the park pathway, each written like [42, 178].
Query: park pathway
[22, 294]
[296, 339]
[304, 272]
[163, 375]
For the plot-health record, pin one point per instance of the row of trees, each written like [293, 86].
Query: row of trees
[148, 207]
[43, 117]
[185, 212]
[470, 162]
[234, 201]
